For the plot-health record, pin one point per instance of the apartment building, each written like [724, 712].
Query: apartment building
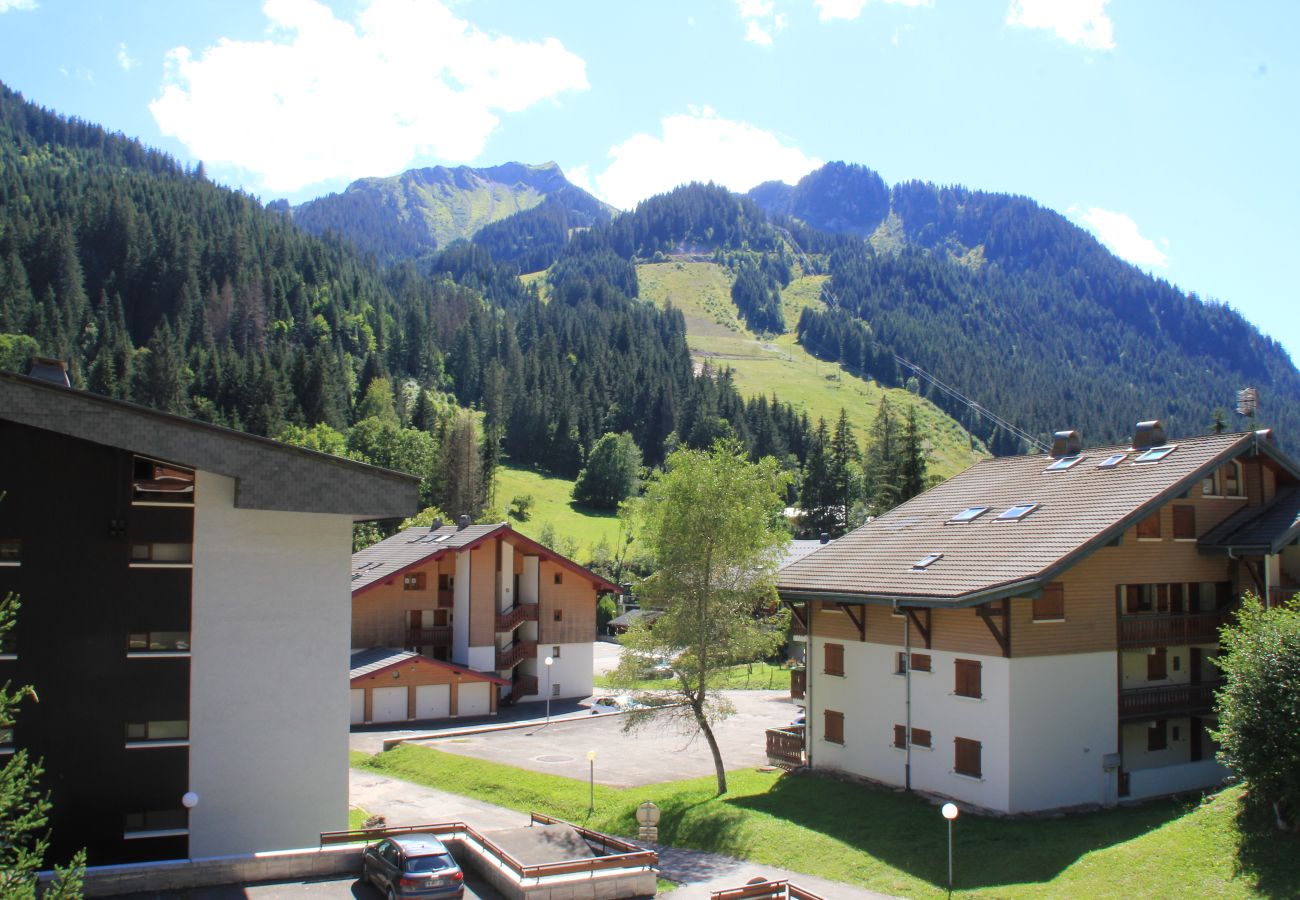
[1038, 632]
[182, 621]
[484, 597]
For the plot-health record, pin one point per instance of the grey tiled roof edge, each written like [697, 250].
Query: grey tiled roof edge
[270, 475]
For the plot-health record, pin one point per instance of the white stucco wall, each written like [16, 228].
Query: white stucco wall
[506, 578]
[572, 671]
[460, 612]
[1064, 720]
[269, 699]
[1134, 665]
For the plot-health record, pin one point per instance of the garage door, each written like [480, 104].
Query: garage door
[473, 699]
[358, 706]
[433, 701]
[388, 704]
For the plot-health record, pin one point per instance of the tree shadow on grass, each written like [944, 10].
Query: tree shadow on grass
[908, 833]
[1267, 857]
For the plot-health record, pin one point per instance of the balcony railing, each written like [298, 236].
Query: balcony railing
[523, 686]
[785, 746]
[1165, 630]
[446, 600]
[1168, 701]
[798, 683]
[514, 654]
[433, 636]
[515, 616]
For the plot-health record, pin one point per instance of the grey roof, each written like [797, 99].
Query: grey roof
[406, 548]
[1078, 509]
[632, 616]
[797, 550]
[1258, 529]
[364, 662]
[269, 474]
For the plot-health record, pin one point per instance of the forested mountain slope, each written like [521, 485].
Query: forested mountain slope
[1023, 311]
[421, 210]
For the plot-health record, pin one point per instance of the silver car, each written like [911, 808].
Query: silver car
[413, 865]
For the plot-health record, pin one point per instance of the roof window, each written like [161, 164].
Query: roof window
[969, 514]
[926, 561]
[1065, 462]
[1016, 513]
[1112, 461]
[1155, 454]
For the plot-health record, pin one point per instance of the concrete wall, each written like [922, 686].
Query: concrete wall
[269, 700]
[1175, 779]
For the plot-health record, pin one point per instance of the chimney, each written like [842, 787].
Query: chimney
[1149, 434]
[825, 538]
[1066, 443]
[462, 522]
[46, 369]
[437, 523]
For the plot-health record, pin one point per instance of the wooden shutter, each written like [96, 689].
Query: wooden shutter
[1157, 665]
[920, 662]
[968, 678]
[834, 659]
[1050, 604]
[966, 757]
[1158, 736]
[900, 736]
[834, 730]
[1150, 526]
[1184, 523]
[920, 737]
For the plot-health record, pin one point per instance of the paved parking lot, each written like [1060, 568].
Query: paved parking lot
[475, 889]
[655, 753]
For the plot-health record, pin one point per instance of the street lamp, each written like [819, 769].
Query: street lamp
[591, 758]
[549, 662]
[949, 811]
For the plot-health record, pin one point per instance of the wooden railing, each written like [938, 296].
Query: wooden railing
[523, 686]
[798, 683]
[1168, 700]
[446, 599]
[1163, 630]
[766, 890]
[516, 615]
[433, 636]
[785, 746]
[514, 654]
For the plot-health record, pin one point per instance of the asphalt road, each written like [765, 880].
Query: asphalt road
[475, 889]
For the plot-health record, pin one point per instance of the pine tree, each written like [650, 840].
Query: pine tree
[912, 462]
[882, 469]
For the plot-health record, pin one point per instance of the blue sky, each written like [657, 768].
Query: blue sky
[1169, 129]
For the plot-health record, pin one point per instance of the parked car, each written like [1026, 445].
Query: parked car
[614, 703]
[413, 865]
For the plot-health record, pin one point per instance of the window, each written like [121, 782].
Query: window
[1149, 528]
[1017, 512]
[1157, 665]
[969, 514]
[1112, 461]
[162, 553]
[166, 821]
[555, 651]
[920, 737]
[413, 581]
[446, 582]
[900, 736]
[926, 561]
[160, 730]
[559, 578]
[1157, 736]
[1049, 606]
[1155, 454]
[155, 482]
[11, 552]
[1065, 462]
[1184, 523]
[920, 662]
[1232, 480]
[555, 690]
[144, 642]
[966, 757]
[968, 678]
[559, 615]
[834, 726]
[833, 659]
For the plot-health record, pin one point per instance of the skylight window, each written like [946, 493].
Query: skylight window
[1065, 462]
[1155, 454]
[926, 561]
[969, 514]
[1016, 513]
[1112, 461]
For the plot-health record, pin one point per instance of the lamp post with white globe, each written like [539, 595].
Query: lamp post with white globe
[549, 662]
[949, 811]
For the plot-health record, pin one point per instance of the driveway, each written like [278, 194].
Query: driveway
[656, 752]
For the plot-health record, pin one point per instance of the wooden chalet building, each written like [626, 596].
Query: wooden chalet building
[1037, 632]
[484, 597]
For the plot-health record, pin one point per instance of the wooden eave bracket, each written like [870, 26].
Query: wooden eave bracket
[859, 619]
[922, 629]
[1001, 635]
[798, 611]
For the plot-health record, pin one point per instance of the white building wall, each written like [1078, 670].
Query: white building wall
[506, 577]
[571, 670]
[269, 698]
[460, 613]
[1134, 666]
[528, 579]
[1064, 720]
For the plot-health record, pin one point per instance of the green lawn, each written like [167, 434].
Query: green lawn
[553, 503]
[759, 676]
[896, 843]
[356, 817]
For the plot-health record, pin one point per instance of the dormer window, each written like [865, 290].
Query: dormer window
[1226, 482]
[969, 514]
[1016, 513]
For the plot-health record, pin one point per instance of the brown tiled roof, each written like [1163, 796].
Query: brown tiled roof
[1078, 509]
[378, 659]
[1258, 529]
[413, 546]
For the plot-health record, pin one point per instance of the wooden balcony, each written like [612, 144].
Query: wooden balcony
[798, 683]
[446, 600]
[513, 655]
[433, 636]
[515, 616]
[523, 686]
[1168, 701]
[1171, 630]
[785, 746]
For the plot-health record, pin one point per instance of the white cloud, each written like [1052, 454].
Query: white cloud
[851, 9]
[697, 146]
[124, 59]
[1081, 22]
[322, 98]
[1120, 234]
[14, 5]
[761, 19]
